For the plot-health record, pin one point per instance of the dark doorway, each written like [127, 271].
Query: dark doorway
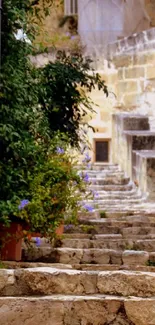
[101, 150]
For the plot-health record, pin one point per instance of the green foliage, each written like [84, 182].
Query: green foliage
[35, 104]
[55, 193]
[103, 214]
[66, 83]
[88, 229]
[150, 263]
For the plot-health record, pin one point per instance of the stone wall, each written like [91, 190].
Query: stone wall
[133, 149]
[134, 59]
[150, 7]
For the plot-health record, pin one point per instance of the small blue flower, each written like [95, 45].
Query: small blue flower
[38, 241]
[23, 203]
[60, 150]
[95, 194]
[87, 158]
[73, 37]
[68, 227]
[88, 208]
[86, 178]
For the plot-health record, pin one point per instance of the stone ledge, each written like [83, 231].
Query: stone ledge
[140, 41]
[46, 281]
[144, 171]
[71, 310]
[131, 122]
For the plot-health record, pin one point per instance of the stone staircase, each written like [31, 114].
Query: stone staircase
[102, 270]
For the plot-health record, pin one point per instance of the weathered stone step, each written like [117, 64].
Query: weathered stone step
[117, 227]
[103, 174]
[47, 281]
[74, 310]
[112, 201]
[137, 231]
[118, 213]
[100, 167]
[126, 209]
[114, 242]
[112, 187]
[84, 267]
[125, 220]
[110, 180]
[99, 195]
[86, 256]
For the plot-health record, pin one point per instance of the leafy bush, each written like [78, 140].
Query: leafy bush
[38, 184]
[55, 193]
[65, 85]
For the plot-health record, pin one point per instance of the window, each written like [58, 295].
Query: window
[101, 150]
[71, 7]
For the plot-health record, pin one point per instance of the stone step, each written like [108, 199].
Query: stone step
[102, 174]
[75, 309]
[126, 229]
[111, 201]
[109, 181]
[84, 267]
[115, 242]
[99, 167]
[129, 209]
[112, 187]
[118, 214]
[104, 236]
[86, 256]
[47, 280]
[99, 195]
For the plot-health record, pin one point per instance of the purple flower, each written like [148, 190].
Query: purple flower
[60, 150]
[88, 208]
[89, 166]
[95, 194]
[38, 241]
[22, 204]
[73, 37]
[86, 178]
[87, 158]
[68, 227]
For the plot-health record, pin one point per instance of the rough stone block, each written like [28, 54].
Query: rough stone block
[135, 257]
[69, 255]
[134, 73]
[47, 281]
[141, 58]
[150, 72]
[127, 87]
[126, 283]
[132, 100]
[96, 256]
[116, 258]
[141, 312]
[122, 61]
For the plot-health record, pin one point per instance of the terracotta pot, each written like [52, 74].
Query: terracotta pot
[60, 230]
[12, 242]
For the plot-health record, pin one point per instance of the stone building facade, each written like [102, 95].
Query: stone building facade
[125, 28]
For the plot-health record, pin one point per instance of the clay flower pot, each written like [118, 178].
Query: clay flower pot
[60, 230]
[11, 242]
